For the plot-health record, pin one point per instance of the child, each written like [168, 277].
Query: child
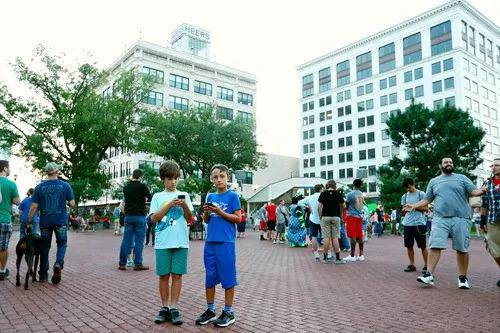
[221, 212]
[170, 209]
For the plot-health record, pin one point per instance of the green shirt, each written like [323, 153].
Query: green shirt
[9, 192]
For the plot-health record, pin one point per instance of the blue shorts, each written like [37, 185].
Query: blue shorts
[220, 264]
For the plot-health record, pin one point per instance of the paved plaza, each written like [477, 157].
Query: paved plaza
[281, 290]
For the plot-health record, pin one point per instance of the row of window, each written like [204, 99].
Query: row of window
[412, 52]
[485, 45]
[342, 142]
[200, 87]
[487, 111]
[471, 67]
[116, 151]
[124, 170]
[474, 87]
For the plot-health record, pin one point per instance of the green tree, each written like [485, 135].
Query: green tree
[427, 136]
[151, 178]
[68, 120]
[197, 139]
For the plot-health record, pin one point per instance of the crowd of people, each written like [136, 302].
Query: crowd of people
[327, 217]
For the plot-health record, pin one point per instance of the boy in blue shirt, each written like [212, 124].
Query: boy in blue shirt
[222, 212]
[24, 210]
[170, 210]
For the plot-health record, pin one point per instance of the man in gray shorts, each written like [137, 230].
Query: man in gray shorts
[450, 193]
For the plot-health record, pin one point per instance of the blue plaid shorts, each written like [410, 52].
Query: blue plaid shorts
[5, 233]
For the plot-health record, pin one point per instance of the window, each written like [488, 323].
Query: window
[385, 135]
[348, 157]
[340, 97]
[361, 138]
[392, 81]
[154, 98]
[370, 137]
[312, 163]
[245, 117]
[329, 144]
[386, 58]
[369, 88]
[342, 158]
[154, 165]
[304, 107]
[438, 104]
[323, 174]
[340, 112]
[307, 85]
[328, 115]
[364, 66]
[419, 91]
[347, 95]
[321, 131]
[244, 98]
[348, 125]
[322, 160]
[361, 122]
[449, 83]
[178, 103]
[203, 106]
[204, 88]
[450, 100]
[408, 76]
[312, 148]
[225, 93]
[325, 79]
[437, 86]
[311, 105]
[321, 102]
[383, 84]
[342, 173]
[347, 110]
[371, 153]
[369, 104]
[436, 68]
[328, 100]
[384, 116]
[156, 75]
[361, 106]
[305, 149]
[329, 129]
[370, 120]
[408, 94]
[441, 38]
[341, 142]
[349, 173]
[447, 64]
[179, 82]
[343, 73]
[322, 116]
[362, 155]
[386, 151]
[466, 83]
[418, 73]
[348, 141]
[360, 91]
[322, 145]
[311, 134]
[341, 127]
[227, 113]
[383, 100]
[393, 98]
[372, 170]
[412, 49]
[372, 187]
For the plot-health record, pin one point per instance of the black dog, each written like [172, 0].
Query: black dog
[29, 247]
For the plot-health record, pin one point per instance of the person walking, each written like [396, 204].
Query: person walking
[490, 214]
[135, 196]
[9, 196]
[450, 193]
[330, 206]
[51, 198]
[354, 222]
[414, 228]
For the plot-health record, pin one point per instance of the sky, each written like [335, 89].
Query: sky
[266, 38]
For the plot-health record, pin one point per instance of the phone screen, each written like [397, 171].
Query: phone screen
[182, 196]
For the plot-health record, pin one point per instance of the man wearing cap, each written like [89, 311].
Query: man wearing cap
[51, 197]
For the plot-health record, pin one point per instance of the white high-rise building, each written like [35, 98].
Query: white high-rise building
[186, 77]
[450, 54]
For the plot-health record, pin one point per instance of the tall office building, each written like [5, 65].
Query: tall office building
[186, 77]
[450, 54]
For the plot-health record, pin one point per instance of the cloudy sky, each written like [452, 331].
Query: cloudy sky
[267, 38]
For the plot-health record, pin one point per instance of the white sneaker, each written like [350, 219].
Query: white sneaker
[427, 278]
[463, 283]
[349, 258]
[360, 258]
[275, 242]
[130, 263]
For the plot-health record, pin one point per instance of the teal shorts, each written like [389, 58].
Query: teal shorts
[171, 261]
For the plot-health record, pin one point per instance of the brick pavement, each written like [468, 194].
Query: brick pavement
[281, 290]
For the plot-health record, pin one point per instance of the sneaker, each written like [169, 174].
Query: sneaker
[224, 320]
[5, 274]
[175, 316]
[122, 267]
[275, 242]
[130, 263]
[349, 259]
[427, 278]
[281, 242]
[360, 258]
[56, 277]
[424, 269]
[262, 237]
[327, 261]
[412, 268]
[463, 282]
[206, 317]
[141, 268]
[316, 259]
[163, 316]
[338, 262]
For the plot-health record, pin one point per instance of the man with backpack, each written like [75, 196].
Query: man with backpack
[414, 225]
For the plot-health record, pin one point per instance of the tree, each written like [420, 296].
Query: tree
[197, 139]
[428, 136]
[151, 178]
[68, 121]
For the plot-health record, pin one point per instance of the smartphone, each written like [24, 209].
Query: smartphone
[182, 197]
[209, 204]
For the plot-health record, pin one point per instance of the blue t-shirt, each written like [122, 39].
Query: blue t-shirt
[25, 207]
[171, 231]
[450, 194]
[355, 203]
[220, 229]
[51, 197]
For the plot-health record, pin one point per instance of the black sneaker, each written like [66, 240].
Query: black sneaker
[262, 237]
[411, 268]
[175, 316]
[5, 274]
[224, 320]
[163, 316]
[56, 277]
[206, 317]
[463, 282]
[424, 269]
